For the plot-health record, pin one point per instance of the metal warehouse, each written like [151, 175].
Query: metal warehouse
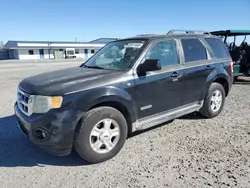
[54, 50]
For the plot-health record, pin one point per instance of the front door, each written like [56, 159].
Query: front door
[162, 90]
[41, 52]
[197, 67]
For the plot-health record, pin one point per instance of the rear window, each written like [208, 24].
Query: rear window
[193, 50]
[218, 47]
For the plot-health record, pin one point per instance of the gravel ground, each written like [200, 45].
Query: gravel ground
[189, 152]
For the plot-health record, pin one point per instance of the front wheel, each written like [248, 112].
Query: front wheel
[101, 134]
[214, 101]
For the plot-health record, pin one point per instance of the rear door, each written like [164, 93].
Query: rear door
[197, 66]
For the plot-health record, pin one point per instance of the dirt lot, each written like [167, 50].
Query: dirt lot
[189, 152]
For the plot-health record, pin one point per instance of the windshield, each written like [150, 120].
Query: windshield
[118, 55]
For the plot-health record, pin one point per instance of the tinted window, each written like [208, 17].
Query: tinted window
[218, 48]
[31, 52]
[77, 51]
[193, 50]
[165, 51]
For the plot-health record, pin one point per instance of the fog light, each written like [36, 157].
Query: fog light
[41, 134]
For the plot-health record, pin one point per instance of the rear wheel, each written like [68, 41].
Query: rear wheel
[101, 134]
[248, 71]
[214, 101]
[235, 78]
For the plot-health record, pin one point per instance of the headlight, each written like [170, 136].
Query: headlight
[43, 104]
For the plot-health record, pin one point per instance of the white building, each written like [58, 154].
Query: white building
[54, 50]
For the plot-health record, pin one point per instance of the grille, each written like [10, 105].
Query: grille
[25, 102]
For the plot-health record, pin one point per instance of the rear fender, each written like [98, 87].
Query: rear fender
[215, 75]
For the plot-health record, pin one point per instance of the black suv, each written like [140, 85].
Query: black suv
[128, 85]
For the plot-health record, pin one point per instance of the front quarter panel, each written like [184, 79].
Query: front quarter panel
[85, 100]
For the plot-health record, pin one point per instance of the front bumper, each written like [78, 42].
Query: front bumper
[53, 131]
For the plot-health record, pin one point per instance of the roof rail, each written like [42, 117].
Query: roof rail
[141, 35]
[172, 32]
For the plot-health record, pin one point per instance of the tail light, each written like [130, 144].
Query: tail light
[231, 68]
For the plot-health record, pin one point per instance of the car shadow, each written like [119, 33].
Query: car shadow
[16, 150]
[241, 81]
[148, 129]
[194, 115]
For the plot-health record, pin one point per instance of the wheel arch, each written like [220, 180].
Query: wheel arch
[121, 108]
[111, 97]
[221, 77]
[224, 82]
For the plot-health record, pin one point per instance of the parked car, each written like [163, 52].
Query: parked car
[149, 80]
[70, 53]
[239, 53]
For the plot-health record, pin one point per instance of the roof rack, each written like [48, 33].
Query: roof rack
[141, 35]
[172, 32]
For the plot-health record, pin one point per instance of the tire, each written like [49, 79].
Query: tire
[84, 138]
[235, 78]
[207, 110]
[248, 72]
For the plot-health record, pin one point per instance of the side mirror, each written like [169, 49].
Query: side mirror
[149, 65]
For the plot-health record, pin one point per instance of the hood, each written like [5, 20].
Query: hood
[65, 80]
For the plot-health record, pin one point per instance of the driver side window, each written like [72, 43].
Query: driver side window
[165, 51]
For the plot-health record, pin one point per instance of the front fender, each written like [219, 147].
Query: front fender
[93, 97]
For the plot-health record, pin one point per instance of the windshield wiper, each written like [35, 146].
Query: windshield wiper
[93, 67]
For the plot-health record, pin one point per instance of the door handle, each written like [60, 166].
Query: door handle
[174, 75]
[208, 67]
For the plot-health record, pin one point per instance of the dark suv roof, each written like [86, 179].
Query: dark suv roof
[154, 37]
